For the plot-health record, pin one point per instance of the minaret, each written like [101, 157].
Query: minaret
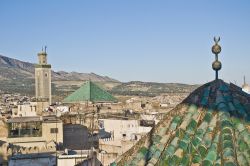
[216, 49]
[246, 87]
[43, 78]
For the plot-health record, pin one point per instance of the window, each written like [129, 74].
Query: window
[54, 130]
[101, 124]
[46, 74]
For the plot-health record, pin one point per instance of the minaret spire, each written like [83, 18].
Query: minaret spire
[43, 77]
[216, 49]
[244, 80]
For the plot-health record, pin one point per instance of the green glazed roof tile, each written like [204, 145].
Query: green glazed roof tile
[89, 91]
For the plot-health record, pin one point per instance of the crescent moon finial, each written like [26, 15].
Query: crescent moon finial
[216, 40]
[216, 49]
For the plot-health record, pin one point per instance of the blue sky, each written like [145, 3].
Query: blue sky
[160, 41]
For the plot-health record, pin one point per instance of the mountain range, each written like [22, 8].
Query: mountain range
[18, 77]
[13, 69]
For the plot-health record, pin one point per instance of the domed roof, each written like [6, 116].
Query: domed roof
[210, 127]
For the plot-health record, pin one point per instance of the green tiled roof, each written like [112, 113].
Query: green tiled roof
[210, 127]
[89, 91]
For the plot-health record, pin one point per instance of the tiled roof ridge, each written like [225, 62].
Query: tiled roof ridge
[221, 96]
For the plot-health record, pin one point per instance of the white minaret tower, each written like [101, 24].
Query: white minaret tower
[246, 87]
[43, 78]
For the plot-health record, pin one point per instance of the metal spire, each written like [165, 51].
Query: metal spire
[216, 49]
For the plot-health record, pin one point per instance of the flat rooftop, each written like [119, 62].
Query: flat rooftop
[45, 119]
[32, 156]
[25, 119]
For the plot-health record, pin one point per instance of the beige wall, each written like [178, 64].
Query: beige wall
[110, 148]
[48, 136]
[41, 105]
[126, 145]
[115, 147]
[70, 160]
[25, 110]
[120, 127]
[27, 141]
[107, 158]
[42, 58]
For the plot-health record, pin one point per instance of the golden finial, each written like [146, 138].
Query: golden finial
[216, 49]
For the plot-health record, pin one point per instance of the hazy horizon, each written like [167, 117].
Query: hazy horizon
[160, 41]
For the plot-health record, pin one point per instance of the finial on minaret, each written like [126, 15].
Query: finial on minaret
[216, 49]
[45, 49]
[244, 80]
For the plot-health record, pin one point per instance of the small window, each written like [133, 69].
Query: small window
[54, 130]
[101, 124]
[124, 135]
[143, 105]
[46, 74]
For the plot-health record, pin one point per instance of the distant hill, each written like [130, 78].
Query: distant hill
[151, 88]
[15, 69]
[18, 76]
